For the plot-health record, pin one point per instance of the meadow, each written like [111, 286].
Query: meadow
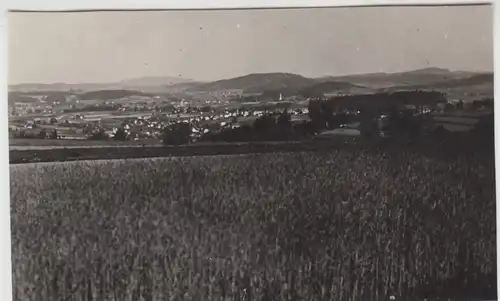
[324, 225]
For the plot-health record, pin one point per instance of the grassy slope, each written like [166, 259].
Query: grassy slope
[306, 226]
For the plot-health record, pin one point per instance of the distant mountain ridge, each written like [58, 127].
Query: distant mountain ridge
[256, 83]
[363, 83]
[467, 88]
[424, 76]
[462, 82]
[149, 83]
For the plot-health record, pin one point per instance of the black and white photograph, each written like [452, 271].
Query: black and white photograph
[270, 154]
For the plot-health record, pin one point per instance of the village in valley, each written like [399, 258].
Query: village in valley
[141, 118]
[138, 117]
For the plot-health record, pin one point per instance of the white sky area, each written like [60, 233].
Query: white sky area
[208, 45]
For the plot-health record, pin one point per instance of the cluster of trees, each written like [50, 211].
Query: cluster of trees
[325, 115]
[42, 134]
[177, 134]
[269, 127]
[52, 135]
[486, 103]
[449, 107]
[330, 113]
[404, 124]
[99, 134]
[383, 102]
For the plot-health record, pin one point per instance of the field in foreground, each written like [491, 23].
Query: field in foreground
[330, 225]
[19, 143]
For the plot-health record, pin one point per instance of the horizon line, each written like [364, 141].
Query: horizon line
[188, 80]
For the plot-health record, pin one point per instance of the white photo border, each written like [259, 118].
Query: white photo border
[95, 5]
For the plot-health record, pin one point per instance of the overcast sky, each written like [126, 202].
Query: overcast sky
[211, 45]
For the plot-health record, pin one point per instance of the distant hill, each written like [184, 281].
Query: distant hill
[335, 87]
[286, 83]
[424, 76]
[478, 79]
[258, 83]
[49, 96]
[151, 84]
[12, 98]
[181, 87]
[110, 94]
[357, 83]
[316, 90]
[33, 97]
[157, 84]
[38, 87]
[467, 88]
